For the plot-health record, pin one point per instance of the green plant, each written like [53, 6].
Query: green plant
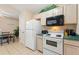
[16, 32]
[49, 7]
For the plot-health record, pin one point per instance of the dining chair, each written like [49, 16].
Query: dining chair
[4, 38]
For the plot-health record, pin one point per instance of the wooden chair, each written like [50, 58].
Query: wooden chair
[12, 37]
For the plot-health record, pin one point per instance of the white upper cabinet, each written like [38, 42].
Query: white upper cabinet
[43, 18]
[58, 11]
[54, 12]
[70, 13]
[68, 10]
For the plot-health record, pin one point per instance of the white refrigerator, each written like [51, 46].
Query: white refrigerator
[33, 27]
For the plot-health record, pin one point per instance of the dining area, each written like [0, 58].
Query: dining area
[6, 37]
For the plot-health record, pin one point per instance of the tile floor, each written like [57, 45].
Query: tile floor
[16, 49]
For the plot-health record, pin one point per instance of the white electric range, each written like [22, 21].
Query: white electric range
[53, 44]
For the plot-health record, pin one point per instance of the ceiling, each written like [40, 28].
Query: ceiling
[14, 9]
[35, 8]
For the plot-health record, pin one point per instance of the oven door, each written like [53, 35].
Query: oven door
[53, 44]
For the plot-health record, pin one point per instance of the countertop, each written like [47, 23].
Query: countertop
[39, 34]
[76, 38]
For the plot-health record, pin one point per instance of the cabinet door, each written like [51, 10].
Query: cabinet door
[43, 21]
[43, 18]
[59, 11]
[71, 50]
[70, 13]
[40, 44]
[50, 13]
[77, 29]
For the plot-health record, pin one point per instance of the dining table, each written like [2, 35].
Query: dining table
[7, 36]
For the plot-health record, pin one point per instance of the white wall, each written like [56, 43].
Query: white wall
[28, 15]
[8, 24]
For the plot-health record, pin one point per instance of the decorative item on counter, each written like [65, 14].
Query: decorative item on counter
[66, 34]
[44, 31]
[73, 33]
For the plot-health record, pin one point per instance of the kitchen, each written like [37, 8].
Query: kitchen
[69, 44]
[39, 29]
[47, 29]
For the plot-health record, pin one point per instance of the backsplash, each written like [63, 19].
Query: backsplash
[59, 28]
[70, 26]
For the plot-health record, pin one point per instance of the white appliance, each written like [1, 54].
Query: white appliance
[33, 27]
[53, 44]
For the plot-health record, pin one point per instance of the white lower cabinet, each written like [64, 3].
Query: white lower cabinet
[40, 43]
[71, 50]
[71, 47]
